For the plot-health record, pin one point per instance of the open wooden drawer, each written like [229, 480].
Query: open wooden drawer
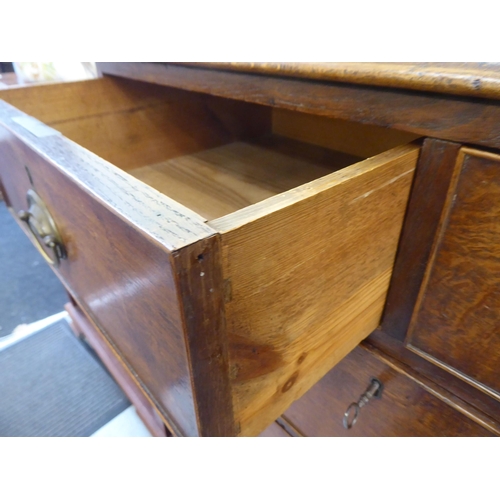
[253, 256]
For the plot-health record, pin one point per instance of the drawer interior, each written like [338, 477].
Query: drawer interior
[221, 180]
[213, 155]
[306, 233]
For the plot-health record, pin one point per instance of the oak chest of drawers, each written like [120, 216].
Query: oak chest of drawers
[233, 232]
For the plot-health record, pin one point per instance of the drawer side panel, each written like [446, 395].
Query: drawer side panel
[307, 281]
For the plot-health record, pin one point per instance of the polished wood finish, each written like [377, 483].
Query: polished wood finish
[431, 188]
[223, 324]
[406, 407]
[448, 117]
[307, 278]
[124, 294]
[460, 296]
[164, 220]
[428, 195]
[442, 393]
[396, 350]
[146, 411]
[470, 79]
[156, 280]
[201, 294]
[222, 180]
[132, 299]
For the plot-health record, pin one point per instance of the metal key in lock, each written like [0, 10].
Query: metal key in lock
[374, 390]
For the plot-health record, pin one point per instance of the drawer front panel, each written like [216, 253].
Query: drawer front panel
[404, 408]
[118, 272]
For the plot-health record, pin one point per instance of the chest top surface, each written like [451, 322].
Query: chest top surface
[469, 79]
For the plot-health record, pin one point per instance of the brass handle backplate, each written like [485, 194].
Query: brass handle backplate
[44, 229]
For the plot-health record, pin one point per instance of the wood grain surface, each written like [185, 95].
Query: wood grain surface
[54, 103]
[306, 280]
[428, 196]
[201, 294]
[471, 79]
[192, 392]
[306, 254]
[340, 135]
[172, 224]
[457, 315]
[406, 407]
[222, 180]
[447, 117]
[482, 406]
[127, 282]
[133, 300]
[132, 124]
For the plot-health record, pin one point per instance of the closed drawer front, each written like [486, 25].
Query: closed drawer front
[231, 253]
[405, 408]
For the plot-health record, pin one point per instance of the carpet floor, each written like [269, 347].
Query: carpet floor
[51, 385]
[29, 290]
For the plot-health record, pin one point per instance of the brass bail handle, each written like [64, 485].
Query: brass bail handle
[43, 228]
[374, 390]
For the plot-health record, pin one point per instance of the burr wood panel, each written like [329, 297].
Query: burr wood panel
[457, 314]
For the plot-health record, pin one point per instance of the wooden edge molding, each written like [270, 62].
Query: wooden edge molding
[427, 199]
[161, 218]
[304, 192]
[446, 201]
[439, 392]
[440, 376]
[199, 279]
[456, 373]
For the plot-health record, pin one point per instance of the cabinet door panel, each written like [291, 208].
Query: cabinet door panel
[456, 322]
